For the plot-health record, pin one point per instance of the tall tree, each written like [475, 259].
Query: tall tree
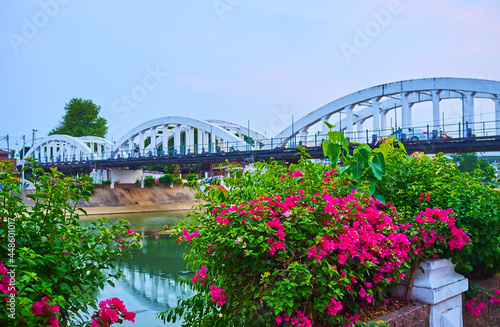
[81, 119]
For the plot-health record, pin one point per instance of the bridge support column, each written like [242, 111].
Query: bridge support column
[376, 116]
[435, 110]
[130, 146]
[141, 143]
[350, 121]
[303, 137]
[187, 145]
[197, 141]
[468, 103]
[165, 140]
[359, 133]
[383, 124]
[497, 115]
[212, 143]
[153, 141]
[405, 112]
[177, 139]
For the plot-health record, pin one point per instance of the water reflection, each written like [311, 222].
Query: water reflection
[151, 282]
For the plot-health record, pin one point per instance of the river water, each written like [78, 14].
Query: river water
[151, 282]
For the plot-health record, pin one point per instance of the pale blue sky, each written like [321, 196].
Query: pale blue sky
[255, 60]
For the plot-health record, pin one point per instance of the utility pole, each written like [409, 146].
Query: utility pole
[8, 147]
[22, 161]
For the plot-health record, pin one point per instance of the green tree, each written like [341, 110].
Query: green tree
[81, 119]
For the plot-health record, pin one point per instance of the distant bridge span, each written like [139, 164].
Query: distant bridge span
[375, 102]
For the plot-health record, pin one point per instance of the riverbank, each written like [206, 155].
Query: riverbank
[101, 211]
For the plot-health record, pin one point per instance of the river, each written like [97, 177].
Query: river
[151, 282]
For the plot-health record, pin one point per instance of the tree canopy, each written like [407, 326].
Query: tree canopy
[81, 119]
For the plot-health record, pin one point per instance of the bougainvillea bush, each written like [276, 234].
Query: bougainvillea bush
[412, 183]
[296, 245]
[52, 266]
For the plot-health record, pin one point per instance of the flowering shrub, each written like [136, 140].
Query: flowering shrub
[297, 246]
[417, 182]
[111, 311]
[57, 263]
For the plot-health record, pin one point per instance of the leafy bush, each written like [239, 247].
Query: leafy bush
[177, 180]
[166, 179]
[408, 183]
[296, 245]
[192, 177]
[57, 263]
[149, 181]
[106, 182]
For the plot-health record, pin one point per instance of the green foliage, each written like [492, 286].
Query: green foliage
[177, 180]
[363, 168]
[106, 182]
[149, 181]
[172, 169]
[166, 179]
[55, 256]
[81, 119]
[90, 184]
[475, 204]
[192, 177]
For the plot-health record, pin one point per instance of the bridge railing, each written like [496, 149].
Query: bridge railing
[414, 133]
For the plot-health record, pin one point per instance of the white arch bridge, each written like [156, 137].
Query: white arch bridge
[175, 136]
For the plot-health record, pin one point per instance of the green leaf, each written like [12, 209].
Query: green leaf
[357, 166]
[378, 165]
[334, 153]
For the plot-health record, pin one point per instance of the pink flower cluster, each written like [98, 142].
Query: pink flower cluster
[300, 321]
[495, 299]
[433, 218]
[111, 310]
[41, 308]
[363, 232]
[424, 197]
[188, 236]
[5, 286]
[469, 305]
[333, 307]
[217, 295]
[200, 276]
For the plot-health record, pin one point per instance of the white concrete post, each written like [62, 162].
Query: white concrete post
[177, 139]
[469, 109]
[350, 120]
[303, 136]
[376, 115]
[359, 127]
[497, 115]
[383, 124]
[405, 112]
[165, 140]
[153, 141]
[212, 140]
[141, 143]
[205, 140]
[198, 141]
[441, 287]
[435, 110]
[130, 146]
[187, 145]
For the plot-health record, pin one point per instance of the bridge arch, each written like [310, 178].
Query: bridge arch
[375, 102]
[210, 137]
[60, 147]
